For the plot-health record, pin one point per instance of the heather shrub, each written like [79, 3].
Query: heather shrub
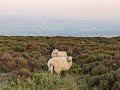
[100, 69]
[116, 86]
[37, 62]
[87, 68]
[23, 73]
[116, 56]
[95, 57]
[117, 74]
[31, 47]
[104, 85]
[25, 55]
[96, 80]
[20, 63]
[19, 49]
[33, 64]
[8, 63]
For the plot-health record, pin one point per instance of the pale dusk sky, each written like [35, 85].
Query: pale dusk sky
[82, 9]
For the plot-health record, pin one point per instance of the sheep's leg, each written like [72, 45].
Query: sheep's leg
[58, 73]
[51, 69]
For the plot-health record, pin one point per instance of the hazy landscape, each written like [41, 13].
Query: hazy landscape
[51, 26]
[84, 35]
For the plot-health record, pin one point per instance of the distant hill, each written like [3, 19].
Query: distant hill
[44, 26]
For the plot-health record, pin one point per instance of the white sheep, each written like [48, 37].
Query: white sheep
[57, 53]
[59, 64]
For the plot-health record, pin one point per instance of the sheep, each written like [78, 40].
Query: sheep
[57, 53]
[59, 64]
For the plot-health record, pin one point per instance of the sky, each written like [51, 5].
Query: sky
[81, 9]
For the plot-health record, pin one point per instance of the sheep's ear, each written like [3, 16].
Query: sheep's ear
[67, 58]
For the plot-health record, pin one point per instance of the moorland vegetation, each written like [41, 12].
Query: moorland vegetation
[23, 63]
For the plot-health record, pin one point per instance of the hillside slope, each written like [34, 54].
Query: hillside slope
[96, 63]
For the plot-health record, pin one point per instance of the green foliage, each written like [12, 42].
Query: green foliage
[101, 69]
[43, 81]
[95, 80]
[95, 57]
[47, 81]
[19, 49]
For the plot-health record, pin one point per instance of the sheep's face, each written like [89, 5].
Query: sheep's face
[69, 59]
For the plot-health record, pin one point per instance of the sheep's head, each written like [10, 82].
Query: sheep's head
[55, 50]
[69, 58]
